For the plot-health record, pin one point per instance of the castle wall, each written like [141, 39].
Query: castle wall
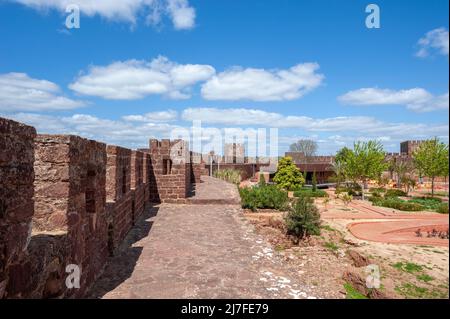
[137, 184]
[171, 170]
[119, 196]
[69, 201]
[16, 198]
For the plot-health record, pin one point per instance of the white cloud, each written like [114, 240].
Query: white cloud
[179, 11]
[435, 41]
[417, 99]
[183, 15]
[136, 79]
[330, 133]
[263, 85]
[259, 118]
[113, 132]
[241, 116]
[230, 116]
[162, 116]
[19, 92]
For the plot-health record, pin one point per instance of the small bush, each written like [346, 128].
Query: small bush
[303, 219]
[229, 175]
[442, 208]
[310, 193]
[375, 200]
[351, 189]
[268, 196]
[377, 190]
[395, 193]
[377, 194]
[346, 198]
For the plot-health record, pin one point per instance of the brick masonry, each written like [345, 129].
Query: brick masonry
[119, 196]
[171, 178]
[70, 222]
[16, 196]
[66, 200]
[137, 184]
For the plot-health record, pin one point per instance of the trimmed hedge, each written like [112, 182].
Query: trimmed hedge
[267, 196]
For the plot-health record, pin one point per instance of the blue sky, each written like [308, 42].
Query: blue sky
[140, 68]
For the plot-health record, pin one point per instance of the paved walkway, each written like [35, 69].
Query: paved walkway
[197, 251]
[214, 191]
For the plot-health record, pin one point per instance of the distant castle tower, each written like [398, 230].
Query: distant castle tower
[234, 153]
[408, 147]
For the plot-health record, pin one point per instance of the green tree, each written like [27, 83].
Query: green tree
[365, 162]
[340, 165]
[402, 168]
[431, 160]
[303, 219]
[288, 176]
[342, 155]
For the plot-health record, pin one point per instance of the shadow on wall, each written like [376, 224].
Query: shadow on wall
[120, 267]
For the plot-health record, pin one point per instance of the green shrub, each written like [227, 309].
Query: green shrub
[427, 202]
[268, 196]
[346, 198]
[288, 176]
[310, 193]
[395, 193]
[230, 175]
[375, 200]
[443, 208]
[303, 219]
[399, 204]
[376, 194]
[351, 189]
[262, 180]
[377, 190]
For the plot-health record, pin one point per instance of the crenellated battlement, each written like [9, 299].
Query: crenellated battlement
[67, 200]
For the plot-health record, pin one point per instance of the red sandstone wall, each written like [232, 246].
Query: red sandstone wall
[168, 186]
[137, 184]
[197, 171]
[147, 171]
[70, 223]
[118, 194]
[84, 194]
[16, 198]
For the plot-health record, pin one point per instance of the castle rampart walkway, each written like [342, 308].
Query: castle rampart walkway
[196, 251]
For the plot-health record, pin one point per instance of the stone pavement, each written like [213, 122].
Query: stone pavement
[214, 191]
[196, 251]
